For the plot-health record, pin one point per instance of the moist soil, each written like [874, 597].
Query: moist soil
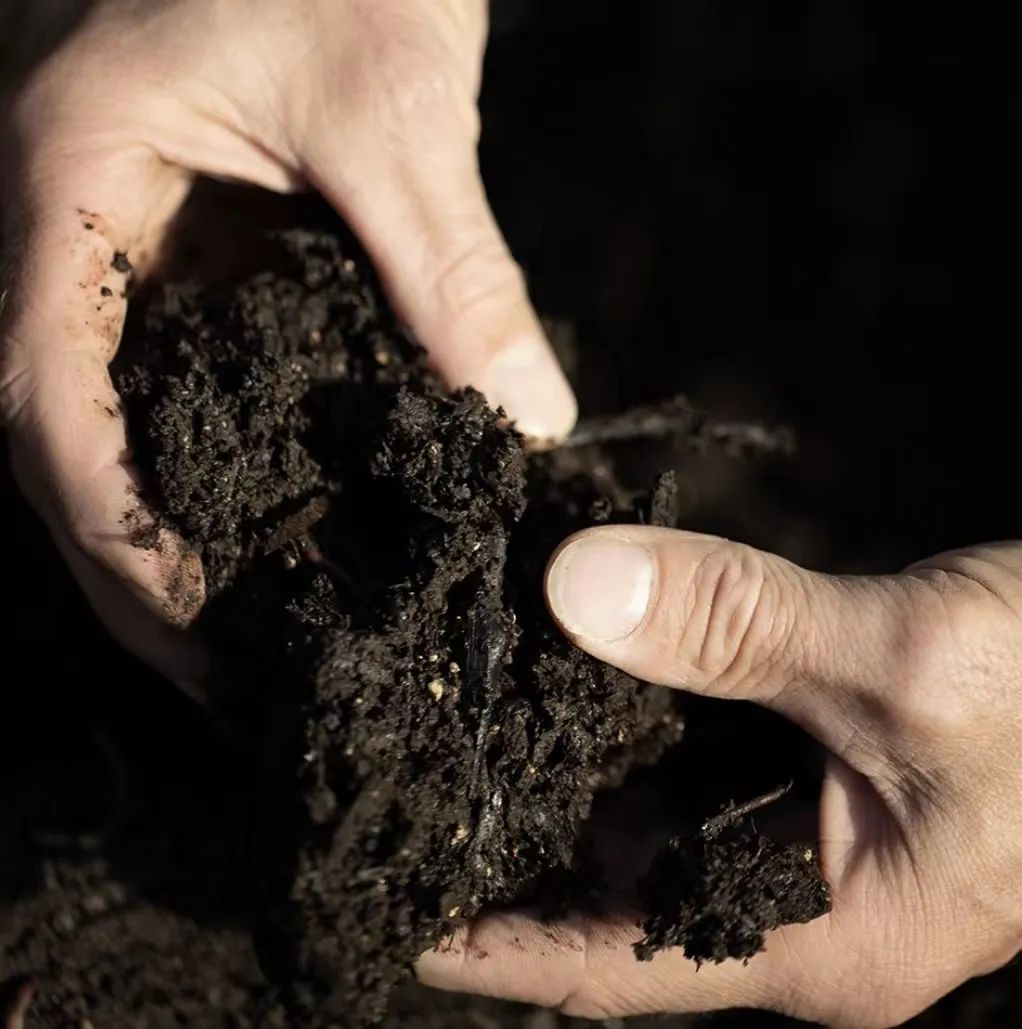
[414, 740]
[374, 549]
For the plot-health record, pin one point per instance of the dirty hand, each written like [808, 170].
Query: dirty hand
[914, 684]
[373, 102]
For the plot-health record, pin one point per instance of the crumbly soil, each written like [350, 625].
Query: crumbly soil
[415, 740]
[715, 898]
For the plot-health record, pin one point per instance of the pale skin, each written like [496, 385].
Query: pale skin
[913, 682]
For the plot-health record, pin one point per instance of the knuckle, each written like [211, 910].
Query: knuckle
[736, 623]
[419, 99]
[592, 1000]
[476, 279]
[415, 89]
[422, 62]
[589, 996]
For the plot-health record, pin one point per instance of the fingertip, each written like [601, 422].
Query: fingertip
[526, 380]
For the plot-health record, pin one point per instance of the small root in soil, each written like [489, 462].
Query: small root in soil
[678, 417]
[733, 813]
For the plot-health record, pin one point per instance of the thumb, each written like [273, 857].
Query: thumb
[718, 618]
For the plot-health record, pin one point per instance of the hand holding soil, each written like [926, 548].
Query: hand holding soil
[370, 101]
[913, 683]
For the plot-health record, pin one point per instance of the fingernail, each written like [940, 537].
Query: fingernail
[600, 588]
[526, 380]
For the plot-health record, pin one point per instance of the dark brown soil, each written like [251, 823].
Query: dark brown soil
[374, 549]
[716, 898]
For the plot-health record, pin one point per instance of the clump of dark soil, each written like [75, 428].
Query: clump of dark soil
[373, 548]
[716, 898]
[716, 893]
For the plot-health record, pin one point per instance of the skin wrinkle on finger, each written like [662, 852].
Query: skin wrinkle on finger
[477, 276]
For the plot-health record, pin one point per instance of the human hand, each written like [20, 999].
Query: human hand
[914, 684]
[373, 102]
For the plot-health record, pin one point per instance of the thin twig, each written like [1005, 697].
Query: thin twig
[749, 437]
[679, 417]
[676, 417]
[733, 813]
[297, 525]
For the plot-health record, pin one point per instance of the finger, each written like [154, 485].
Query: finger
[420, 209]
[67, 294]
[588, 968]
[703, 614]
